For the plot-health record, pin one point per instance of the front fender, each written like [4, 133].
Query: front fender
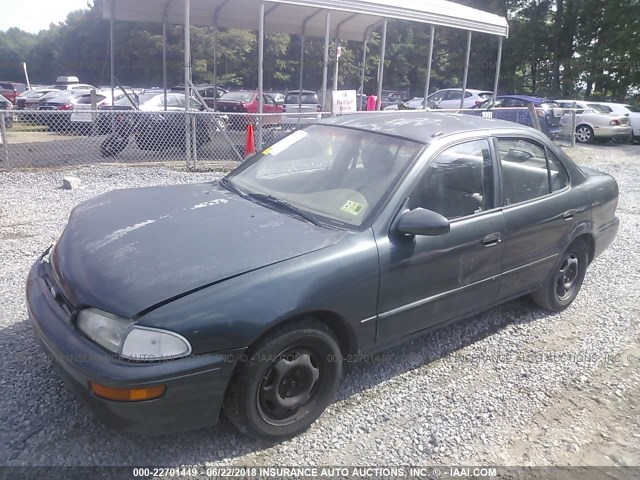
[341, 279]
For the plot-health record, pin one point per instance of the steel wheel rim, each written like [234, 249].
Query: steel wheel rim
[583, 134]
[567, 276]
[288, 386]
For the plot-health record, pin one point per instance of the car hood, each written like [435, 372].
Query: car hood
[129, 250]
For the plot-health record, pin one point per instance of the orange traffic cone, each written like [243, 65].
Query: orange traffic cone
[250, 143]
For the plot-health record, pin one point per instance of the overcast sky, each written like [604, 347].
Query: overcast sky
[36, 15]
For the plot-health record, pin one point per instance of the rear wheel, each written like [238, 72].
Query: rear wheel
[565, 282]
[584, 134]
[286, 383]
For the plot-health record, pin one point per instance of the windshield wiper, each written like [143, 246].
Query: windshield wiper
[283, 203]
[229, 185]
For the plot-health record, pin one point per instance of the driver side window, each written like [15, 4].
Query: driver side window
[458, 182]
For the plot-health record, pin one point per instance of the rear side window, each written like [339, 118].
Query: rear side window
[529, 171]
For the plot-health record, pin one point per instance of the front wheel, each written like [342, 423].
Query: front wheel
[565, 282]
[286, 383]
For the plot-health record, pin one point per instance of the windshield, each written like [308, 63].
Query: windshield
[632, 109]
[307, 98]
[244, 97]
[335, 175]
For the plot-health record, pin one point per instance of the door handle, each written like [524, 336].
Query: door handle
[492, 240]
[568, 215]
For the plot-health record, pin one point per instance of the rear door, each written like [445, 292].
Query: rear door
[537, 211]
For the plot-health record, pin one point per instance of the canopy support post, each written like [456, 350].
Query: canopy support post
[111, 51]
[215, 67]
[260, 73]
[187, 77]
[466, 69]
[325, 63]
[336, 67]
[383, 48]
[498, 64]
[364, 69]
[164, 59]
[301, 75]
[427, 83]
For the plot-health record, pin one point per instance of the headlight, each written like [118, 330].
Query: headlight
[103, 328]
[120, 335]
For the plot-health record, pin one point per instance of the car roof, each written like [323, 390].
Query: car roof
[470, 90]
[420, 126]
[528, 98]
[310, 92]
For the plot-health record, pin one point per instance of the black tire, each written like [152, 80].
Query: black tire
[263, 399]
[584, 134]
[563, 285]
[113, 145]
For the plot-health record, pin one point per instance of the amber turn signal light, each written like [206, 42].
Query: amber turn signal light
[127, 394]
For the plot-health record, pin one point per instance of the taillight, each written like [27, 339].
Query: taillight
[478, 102]
[68, 106]
[614, 122]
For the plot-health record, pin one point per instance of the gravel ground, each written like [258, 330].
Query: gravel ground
[480, 392]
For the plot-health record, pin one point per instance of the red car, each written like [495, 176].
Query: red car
[246, 101]
[10, 90]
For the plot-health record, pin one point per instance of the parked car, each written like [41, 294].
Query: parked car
[209, 93]
[246, 101]
[155, 125]
[7, 108]
[82, 117]
[450, 98]
[595, 122]
[73, 87]
[164, 306]
[277, 97]
[549, 113]
[300, 107]
[11, 90]
[29, 99]
[55, 109]
[627, 110]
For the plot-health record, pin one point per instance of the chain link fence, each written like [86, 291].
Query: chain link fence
[42, 138]
[56, 138]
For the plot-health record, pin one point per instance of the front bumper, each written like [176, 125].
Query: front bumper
[195, 385]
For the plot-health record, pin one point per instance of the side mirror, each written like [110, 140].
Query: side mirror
[422, 222]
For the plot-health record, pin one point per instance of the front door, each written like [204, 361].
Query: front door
[425, 280]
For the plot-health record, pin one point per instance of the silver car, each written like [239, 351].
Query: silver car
[629, 111]
[594, 121]
[450, 98]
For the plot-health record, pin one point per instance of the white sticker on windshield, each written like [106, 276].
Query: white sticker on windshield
[354, 208]
[285, 143]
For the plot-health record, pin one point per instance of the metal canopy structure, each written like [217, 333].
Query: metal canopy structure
[350, 19]
[337, 19]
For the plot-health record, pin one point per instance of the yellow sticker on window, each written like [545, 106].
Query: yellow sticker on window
[353, 208]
